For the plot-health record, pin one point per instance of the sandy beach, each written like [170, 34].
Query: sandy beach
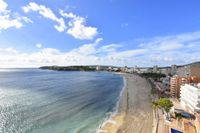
[135, 110]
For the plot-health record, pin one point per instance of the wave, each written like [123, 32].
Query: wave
[40, 101]
[116, 109]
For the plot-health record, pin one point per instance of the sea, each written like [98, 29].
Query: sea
[46, 101]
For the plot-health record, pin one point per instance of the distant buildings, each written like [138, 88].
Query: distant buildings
[190, 97]
[98, 68]
[155, 69]
[188, 71]
[165, 70]
[136, 69]
[169, 70]
[130, 70]
[173, 69]
[185, 74]
[102, 68]
[143, 70]
[115, 69]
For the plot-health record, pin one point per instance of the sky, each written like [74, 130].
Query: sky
[101, 32]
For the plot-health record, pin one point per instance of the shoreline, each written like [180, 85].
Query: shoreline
[134, 111]
[108, 119]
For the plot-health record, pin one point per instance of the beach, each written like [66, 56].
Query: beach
[134, 110]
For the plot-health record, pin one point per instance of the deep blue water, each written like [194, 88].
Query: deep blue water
[44, 101]
[175, 131]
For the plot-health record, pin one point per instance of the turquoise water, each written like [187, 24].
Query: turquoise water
[43, 101]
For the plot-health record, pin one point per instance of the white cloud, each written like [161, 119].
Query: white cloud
[151, 52]
[47, 13]
[3, 6]
[86, 54]
[129, 53]
[26, 19]
[8, 51]
[166, 50]
[80, 31]
[167, 46]
[6, 22]
[8, 19]
[110, 48]
[76, 25]
[78, 28]
[38, 45]
[98, 40]
[87, 49]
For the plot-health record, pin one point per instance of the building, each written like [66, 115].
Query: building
[173, 69]
[177, 81]
[155, 69]
[102, 68]
[136, 69]
[165, 70]
[149, 70]
[130, 70]
[143, 70]
[166, 82]
[124, 69]
[188, 71]
[98, 68]
[174, 86]
[190, 97]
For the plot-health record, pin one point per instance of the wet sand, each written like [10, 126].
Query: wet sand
[135, 113]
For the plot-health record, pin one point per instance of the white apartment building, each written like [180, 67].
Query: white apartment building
[190, 97]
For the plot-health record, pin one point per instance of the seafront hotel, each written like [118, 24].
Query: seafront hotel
[190, 97]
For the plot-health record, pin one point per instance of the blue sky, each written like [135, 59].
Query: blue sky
[104, 32]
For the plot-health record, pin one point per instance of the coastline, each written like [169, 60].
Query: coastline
[134, 110]
[114, 114]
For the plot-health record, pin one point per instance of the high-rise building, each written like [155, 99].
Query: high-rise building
[177, 81]
[190, 97]
[173, 69]
[174, 86]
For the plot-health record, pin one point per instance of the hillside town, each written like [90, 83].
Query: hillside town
[175, 93]
[179, 84]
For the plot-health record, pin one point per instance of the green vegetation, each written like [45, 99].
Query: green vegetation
[178, 116]
[155, 76]
[69, 68]
[163, 103]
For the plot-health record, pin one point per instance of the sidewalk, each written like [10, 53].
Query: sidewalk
[159, 125]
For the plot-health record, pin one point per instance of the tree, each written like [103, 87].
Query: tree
[165, 104]
[178, 117]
